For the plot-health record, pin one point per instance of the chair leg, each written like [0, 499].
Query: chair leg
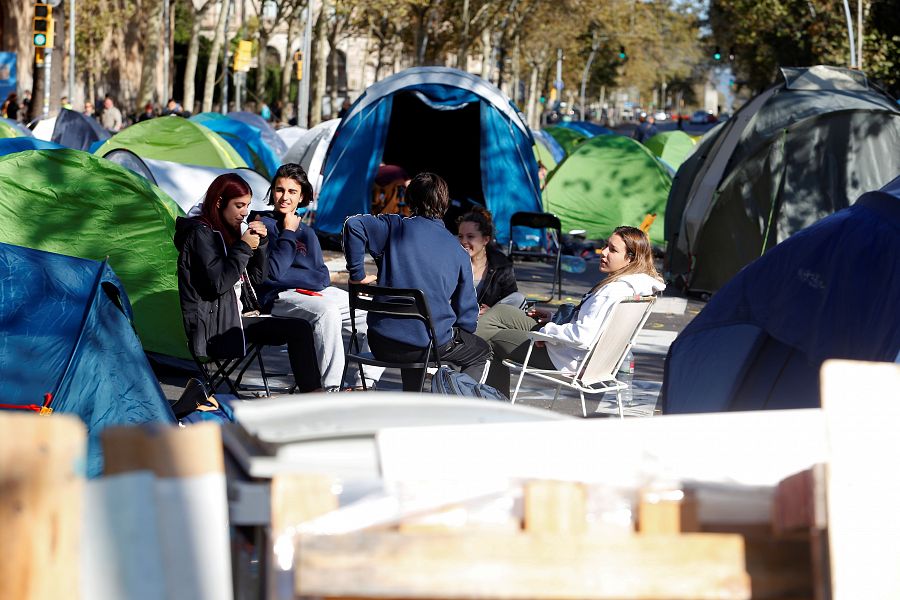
[619, 404]
[522, 374]
[583, 408]
[262, 371]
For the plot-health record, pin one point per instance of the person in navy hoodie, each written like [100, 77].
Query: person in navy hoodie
[418, 252]
[298, 284]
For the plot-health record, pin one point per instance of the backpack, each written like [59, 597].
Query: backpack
[453, 383]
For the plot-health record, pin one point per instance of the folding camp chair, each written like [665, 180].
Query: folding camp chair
[399, 303]
[540, 220]
[224, 368]
[596, 372]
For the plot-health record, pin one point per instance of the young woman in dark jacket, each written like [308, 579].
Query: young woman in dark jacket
[493, 274]
[215, 266]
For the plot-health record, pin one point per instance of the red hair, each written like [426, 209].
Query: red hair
[223, 190]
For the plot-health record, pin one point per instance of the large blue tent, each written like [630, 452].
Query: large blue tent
[21, 144]
[432, 119]
[586, 128]
[268, 134]
[245, 139]
[831, 290]
[65, 326]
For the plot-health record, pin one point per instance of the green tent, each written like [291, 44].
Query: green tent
[8, 131]
[70, 202]
[542, 155]
[610, 180]
[671, 146]
[567, 138]
[176, 140]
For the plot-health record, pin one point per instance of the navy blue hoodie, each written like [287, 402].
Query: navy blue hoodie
[415, 252]
[295, 261]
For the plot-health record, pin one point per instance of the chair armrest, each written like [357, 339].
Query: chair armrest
[537, 336]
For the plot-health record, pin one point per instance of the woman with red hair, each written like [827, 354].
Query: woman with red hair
[217, 262]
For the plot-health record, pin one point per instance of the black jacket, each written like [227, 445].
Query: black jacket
[500, 278]
[206, 278]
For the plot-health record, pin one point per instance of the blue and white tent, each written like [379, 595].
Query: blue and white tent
[432, 119]
[66, 326]
[831, 290]
[21, 144]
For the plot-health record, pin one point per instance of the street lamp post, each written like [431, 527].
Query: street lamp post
[595, 43]
[303, 93]
[71, 85]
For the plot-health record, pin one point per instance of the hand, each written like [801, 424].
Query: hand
[540, 315]
[258, 227]
[291, 222]
[251, 238]
[366, 280]
[540, 344]
[483, 309]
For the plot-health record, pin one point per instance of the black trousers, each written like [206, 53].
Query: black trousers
[298, 335]
[465, 351]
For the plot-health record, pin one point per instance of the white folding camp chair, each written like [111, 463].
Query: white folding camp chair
[596, 372]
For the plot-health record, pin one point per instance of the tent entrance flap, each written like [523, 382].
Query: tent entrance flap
[447, 142]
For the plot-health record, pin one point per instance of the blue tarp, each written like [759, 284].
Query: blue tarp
[245, 139]
[556, 151]
[18, 126]
[586, 128]
[508, 175]
[831, 290]
[65, 329]
[74, 130]
[21, 144]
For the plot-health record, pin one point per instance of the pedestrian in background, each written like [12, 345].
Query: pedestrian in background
[147, 114]
[111, 119]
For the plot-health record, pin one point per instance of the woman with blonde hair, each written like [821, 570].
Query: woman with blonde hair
[627, 261]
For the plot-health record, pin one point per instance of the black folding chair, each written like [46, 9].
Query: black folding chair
[400, 303]
[225, 367]
[540, 220]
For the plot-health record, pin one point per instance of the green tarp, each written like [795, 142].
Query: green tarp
[73, 203]
[542, 155]
[569, 139]
[176, 140]
[607, 182]
[8, 131]
[671, 146]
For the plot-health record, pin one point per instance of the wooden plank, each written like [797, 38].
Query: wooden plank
[667, 512]
[167, 451]
[520, 566]
[555, 507]
[799, 502]
[860, 401]
[42, 461]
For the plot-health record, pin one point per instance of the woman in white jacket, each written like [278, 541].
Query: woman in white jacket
[627, 262]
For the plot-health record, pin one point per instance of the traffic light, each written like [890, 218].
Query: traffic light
[298, 62]
[543, 99]
[731, 54]
[717, 54]
[42, 26]
[622, 54]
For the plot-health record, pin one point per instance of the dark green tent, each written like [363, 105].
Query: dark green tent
[608, 181]
[801, 150]
[73, 203]
[569, 139]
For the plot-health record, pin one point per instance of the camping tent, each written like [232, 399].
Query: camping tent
[70, 129]
[432, 119]
[609, 180]
[829, 291]
[77, 204]
[586, 128]
[66, 329]
[803, 149]
[547, 150]
[310, 149]
[177, 140]
[269, 135]
[672, 147]
[13, 129]
[245, 139]
[290, 135]
[187, 184]
[21, 144]
[569, 139]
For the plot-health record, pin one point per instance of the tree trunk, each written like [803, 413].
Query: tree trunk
[335, 73]
[462, 51]
[532, 98]
[190, 67]
[209, 84]
[152, 35]
[517, 71]
[287, 69]
[486, 52]
[261, 71]
[318, 67]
